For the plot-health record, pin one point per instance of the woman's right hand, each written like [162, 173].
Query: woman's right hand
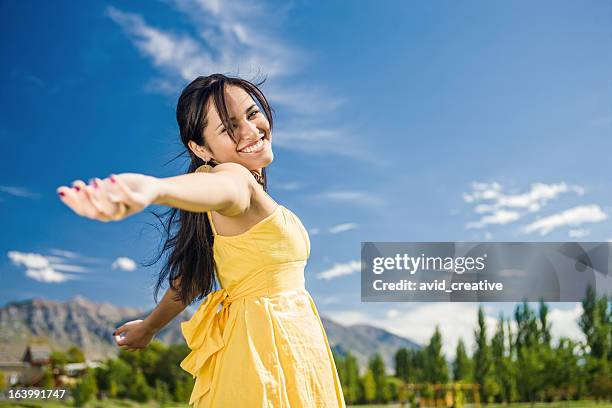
[137, 335]
[113, 198]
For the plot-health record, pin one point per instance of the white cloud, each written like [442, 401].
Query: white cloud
[47, 275]
[579, 233]
[500, 217]
[238, 35]
[391, 313]
[329, 300]
[571, 217]
[342, 227]
[18, 192]
[565, 323]
[349, 317]
[353, 197]
[124, 263]
[287, 186]
[533, 200]
[42, 268]
[340, 269]
[68, 268]
[229, 39]
[499, 208]
[314, 231]
[64, 253]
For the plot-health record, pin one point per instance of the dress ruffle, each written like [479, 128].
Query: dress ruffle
[204, 336]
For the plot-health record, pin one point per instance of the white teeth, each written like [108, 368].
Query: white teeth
[257, 146]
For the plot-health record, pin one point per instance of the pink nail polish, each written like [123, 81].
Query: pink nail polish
[61, 193]
[95, 183]
[77, 188]
[113, 179]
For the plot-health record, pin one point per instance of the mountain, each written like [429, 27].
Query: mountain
[89, 326]
[77, 321]
[363, 340]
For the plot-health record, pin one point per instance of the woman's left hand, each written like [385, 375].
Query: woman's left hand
[113, 198]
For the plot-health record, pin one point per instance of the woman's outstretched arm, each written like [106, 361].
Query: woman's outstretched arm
[167, 309]
[227, 189]
[137, 334]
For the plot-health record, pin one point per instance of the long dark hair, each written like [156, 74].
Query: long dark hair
[188, 235]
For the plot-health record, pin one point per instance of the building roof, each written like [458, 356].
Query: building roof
[37, 353]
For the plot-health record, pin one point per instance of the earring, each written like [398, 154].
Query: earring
[205, 168]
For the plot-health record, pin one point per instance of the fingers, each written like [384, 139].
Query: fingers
[100, 212]
[125, 194]
[119, 330]
[98, 190]
[77, 199]
[103, 200]
[128, 348]
[124, 344]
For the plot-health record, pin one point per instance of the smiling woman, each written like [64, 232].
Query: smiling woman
[266, 345]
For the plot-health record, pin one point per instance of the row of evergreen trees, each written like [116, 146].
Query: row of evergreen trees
[519, 363]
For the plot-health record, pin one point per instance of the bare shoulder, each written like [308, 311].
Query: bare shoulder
[241, 177]
[238, 172]
[234, 168]
[261, 204]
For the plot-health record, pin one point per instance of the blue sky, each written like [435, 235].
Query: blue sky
[412, 121]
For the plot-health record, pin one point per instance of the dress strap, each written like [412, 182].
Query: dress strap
[212, 226]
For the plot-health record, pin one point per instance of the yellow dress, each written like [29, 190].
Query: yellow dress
[265, 347]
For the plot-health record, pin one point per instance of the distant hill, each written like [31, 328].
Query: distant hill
[89, 326]
[363, 340]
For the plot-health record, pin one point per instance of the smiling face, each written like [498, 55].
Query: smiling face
[251, 145]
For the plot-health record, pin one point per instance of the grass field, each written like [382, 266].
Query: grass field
[132, 404]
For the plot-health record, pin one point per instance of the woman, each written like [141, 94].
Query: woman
[266, 346]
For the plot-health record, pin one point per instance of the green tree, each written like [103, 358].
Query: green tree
[140, 390]
[527, 328]
[75, 355]
[462, 366]
[544, 326]
[409, 364]
[351, 387]
[120, 375]
[502, 363]
[162, 393]
[482, 357]
[102, 375]
[2, 380]
[377, 366]
[369, 386]
[530, 353]
[183, 389]
[436, 368]
[167, 369]
[85, 389]
[596, 324]
[58, 360]
[112, 388]
[47, 380]
[564, 377]
[435, 364]
[401, 363]
[418, 362]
